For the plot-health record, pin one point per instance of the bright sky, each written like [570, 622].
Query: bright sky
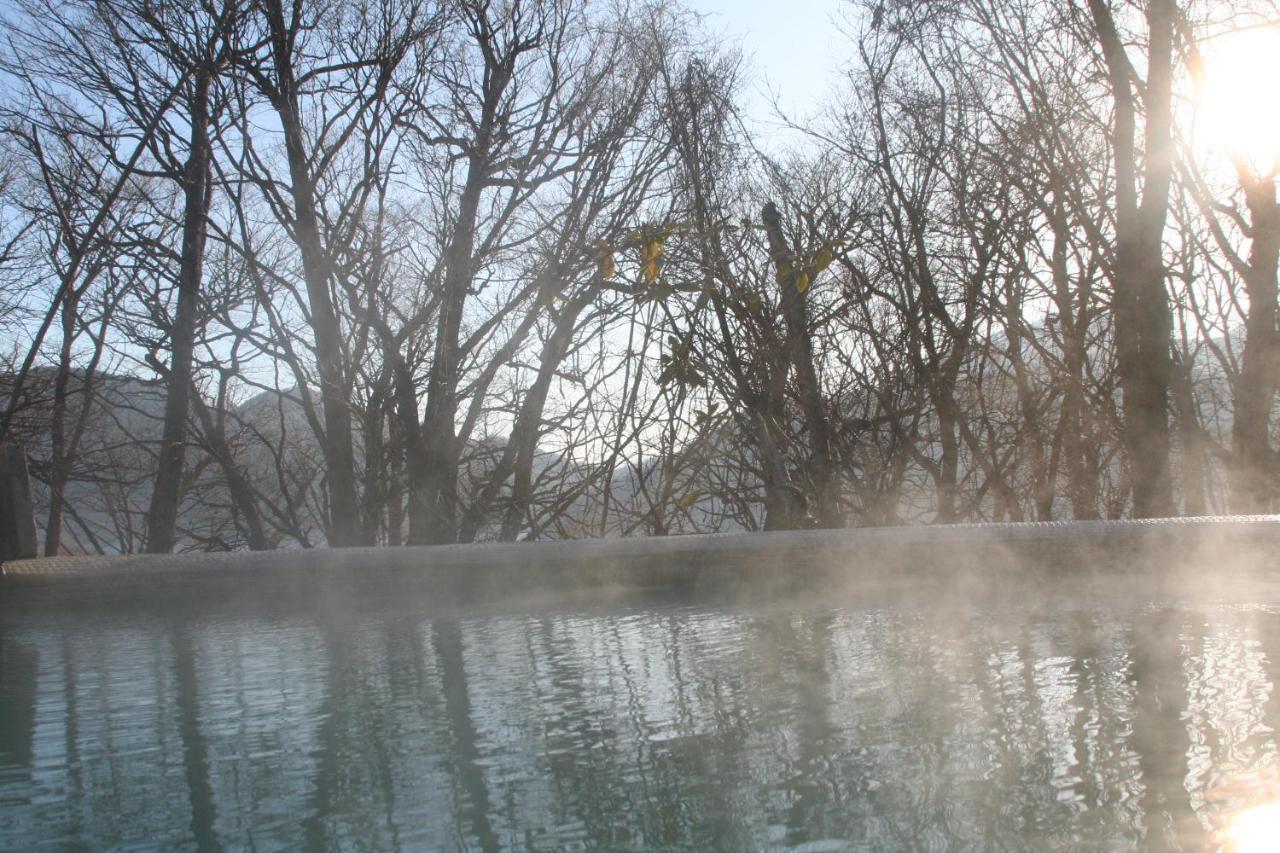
[794, 50]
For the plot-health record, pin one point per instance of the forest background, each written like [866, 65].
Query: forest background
[394, 272]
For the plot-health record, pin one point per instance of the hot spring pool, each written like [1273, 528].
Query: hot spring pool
[850, 722]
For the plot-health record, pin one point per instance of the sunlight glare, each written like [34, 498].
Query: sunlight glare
[1239, 102]
[1255, 830]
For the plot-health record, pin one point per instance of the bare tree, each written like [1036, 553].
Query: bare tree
[1141, 302]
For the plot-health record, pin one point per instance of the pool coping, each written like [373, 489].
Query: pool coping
[862, 552]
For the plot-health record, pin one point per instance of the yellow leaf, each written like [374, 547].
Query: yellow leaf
[824, 259]
[607, 268]
[649, 261]
[690, 498]
[652, 250]
[802, 282]
[649, 272]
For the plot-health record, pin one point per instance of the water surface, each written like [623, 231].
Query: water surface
[840, 725]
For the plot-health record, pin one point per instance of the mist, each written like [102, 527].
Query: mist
[478, 425]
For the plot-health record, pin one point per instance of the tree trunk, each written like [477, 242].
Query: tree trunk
[344, 527]
[375, 468]
[1142, 349]
[166, 496]
[1252, 460]
[782, 508]
[947, 478]
[821, 468]
[60, 455]
[410, 432]
[518, 455]
[434, 503]
[1141, 303]
[17, 515]
[1073, 318]
[394, 496]
[526, 433]
[238, 486]
[1195, 478]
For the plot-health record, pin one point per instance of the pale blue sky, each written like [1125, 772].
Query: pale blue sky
[794, 49]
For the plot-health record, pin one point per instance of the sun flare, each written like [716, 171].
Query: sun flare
[1254, 830]
[1238, 101]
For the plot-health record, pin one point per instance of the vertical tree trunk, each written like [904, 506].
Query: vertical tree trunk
[518, 455]
[344, 527]
[375, 468]
[782, 510]
[434, 502]
[1041, 460]
[1142, 338]
[1149, 377]
[1253, 467]
[60, 454]
[947, 479]
[394, 496]
[241, 492]
[1083, 465]
[1073, 314]
[524, 437]
[822, 469]
[166, 496]
[1195, 476]
[1141, 302]
[410, 432]
[785, 504]
[17, 515]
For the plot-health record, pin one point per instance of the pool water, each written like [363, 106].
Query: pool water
[814, 726]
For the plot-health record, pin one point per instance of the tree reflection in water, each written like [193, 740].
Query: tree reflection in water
[666, 727]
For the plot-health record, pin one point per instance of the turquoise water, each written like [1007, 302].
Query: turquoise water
[815, 727]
